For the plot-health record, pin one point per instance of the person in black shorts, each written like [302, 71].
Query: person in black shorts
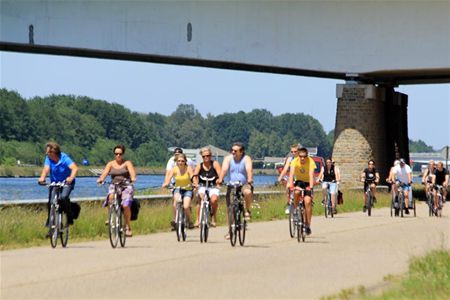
[370, 177]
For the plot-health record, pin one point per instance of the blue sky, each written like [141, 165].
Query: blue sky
[146, 87]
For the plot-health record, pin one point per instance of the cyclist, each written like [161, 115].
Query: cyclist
[302, 169]
[172, 163]
[207, 169]
[121, 170]
[240, 167]
[427, 176]
[403, 175]
[284, 175]
[392, 178]
[330, 176]
[182, 174]
[61, 168]
[370, 177]
[440, 177]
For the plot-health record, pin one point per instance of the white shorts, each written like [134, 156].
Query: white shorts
[212, 191]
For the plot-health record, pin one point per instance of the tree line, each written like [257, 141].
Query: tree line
[90, 128]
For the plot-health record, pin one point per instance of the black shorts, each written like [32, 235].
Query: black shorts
[367, 183]
[303, 185]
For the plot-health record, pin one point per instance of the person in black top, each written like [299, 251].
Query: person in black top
[370, 177]
[440, 178]
[207, 169]
[330, 177]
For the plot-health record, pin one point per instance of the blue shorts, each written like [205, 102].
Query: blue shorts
[184, 193]
[333, 186]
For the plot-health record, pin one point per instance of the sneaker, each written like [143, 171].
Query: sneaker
[364, 209]
[49, 234]
[287, 209]
[406, 211]
[323, 202]
[334, 211]
[374, 200]
[247, 216]
[173, 225]
[191, 225]
[397, 211]
[308, 230]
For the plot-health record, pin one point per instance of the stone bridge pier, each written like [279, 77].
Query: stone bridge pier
[371, 123]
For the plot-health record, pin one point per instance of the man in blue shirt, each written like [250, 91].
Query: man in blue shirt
[61, 168]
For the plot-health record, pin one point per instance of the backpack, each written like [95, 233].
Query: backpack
[75, 210]
[135, 206]
[340, 198]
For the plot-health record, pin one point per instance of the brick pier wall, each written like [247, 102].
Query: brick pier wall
[360, 132]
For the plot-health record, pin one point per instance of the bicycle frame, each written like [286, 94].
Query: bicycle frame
[116, 219]
[58, 219]
[205, 210]
[299, 216]
[237, 222]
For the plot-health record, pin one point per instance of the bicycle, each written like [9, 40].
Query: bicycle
[291, 214]
[116, 217]
[438, 211]
[236, 214]
[328, 206]
[181, 222]
[370, 199]
[58, 218]
[430, 200]
[205, 210]
[299, 216]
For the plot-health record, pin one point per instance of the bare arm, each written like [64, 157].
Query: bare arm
[225, 166]
[131, 170]
[104, 173]
[44, 174]
[167, 179]
[291, 178]
[73, 172]
[285, 169]
[249, 168]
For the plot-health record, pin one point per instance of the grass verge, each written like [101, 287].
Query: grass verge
[22, 225]
[428, 277]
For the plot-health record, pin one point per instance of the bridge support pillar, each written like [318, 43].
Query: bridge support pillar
[360, 132]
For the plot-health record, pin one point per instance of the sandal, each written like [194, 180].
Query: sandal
[128, 233]
[213, 224]
[247, 216]
[227, 236]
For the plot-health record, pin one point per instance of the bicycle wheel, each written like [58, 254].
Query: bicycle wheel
[122, 227]
[430, 205]
[232, 227]
[301, 227]
[330, 206]
[64, 227]
[179, 221]
[113, 224]
[242, 227]
[401, 203]
[204, 227]
[53, 223]
[392, 206]
[369, 204]
[292, 220]
[414, 206]
[439, 208]
[326, 206]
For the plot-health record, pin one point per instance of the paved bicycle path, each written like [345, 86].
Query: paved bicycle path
[349, 250]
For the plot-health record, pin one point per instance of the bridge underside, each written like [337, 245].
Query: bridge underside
[387, 77]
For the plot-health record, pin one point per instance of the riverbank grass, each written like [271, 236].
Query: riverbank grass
[23, 225]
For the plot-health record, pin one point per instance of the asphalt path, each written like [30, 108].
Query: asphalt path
[350, 250]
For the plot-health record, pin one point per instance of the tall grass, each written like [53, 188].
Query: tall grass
[23, 226]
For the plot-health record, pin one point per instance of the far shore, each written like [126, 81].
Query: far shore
[89, 171]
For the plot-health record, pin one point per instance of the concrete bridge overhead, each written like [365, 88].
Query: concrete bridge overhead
[374, 45]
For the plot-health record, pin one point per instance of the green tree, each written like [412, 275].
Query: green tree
[419, 146]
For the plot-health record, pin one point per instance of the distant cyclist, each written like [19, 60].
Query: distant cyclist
[209, 168]
[121, 171]
[403, 175]
[61, 168]
[284, 175]
[440, 178]
[302, 175]
[427, 176]
[330, 177]
[370, 177]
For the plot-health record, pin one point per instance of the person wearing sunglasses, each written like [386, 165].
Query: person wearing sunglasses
[240, 168]
[330, 176]
[172, 162]
[181, 174]
[121, 170]
[284, 175]
[61, 168]
[370, 177]
[210, 169]
[302, 170]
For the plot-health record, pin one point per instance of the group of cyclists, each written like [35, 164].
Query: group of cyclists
[187, 179]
